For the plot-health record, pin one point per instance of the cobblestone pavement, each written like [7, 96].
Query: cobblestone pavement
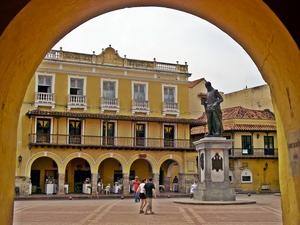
[267, 211]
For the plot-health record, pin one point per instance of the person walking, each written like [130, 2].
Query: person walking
[141, 190]
[150, 193]
[136, 184]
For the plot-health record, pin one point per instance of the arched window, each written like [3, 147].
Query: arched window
[246, 176]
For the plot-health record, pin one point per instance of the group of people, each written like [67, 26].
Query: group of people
[144, 192]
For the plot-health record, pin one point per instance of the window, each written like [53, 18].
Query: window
[139, 92]
[247, 145]
[77, 98]
[109, 95]
[269, 145]
[109, 89]
[169, 94]
[170, 105]
[44, 84]
[140, 97]
[169, 135]
[44, 89]
[140, 134]
[246, 176]
[108, 133]
[76, 86]
[43, 130]
[75, 127]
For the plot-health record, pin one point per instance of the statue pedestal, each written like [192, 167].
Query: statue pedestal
[213, 170]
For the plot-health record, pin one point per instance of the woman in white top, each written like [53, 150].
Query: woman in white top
[142, 195]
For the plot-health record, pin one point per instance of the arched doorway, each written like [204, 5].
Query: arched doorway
[251, 23]
[141, 168]
[78, 176]
[110, 176]
[169, 172]
[44, 176]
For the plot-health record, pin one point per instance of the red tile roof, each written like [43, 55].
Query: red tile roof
[235, 127]
[239, 112]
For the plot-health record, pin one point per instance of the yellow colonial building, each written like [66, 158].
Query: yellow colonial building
[91, 122]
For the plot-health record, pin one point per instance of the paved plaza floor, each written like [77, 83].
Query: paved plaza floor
[267, 211]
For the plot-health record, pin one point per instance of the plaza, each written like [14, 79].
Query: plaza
[267, 211]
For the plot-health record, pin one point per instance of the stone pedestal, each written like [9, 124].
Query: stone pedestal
[213, 163]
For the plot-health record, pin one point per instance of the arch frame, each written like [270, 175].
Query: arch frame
[251, 23]
[80, 155]
[149, 158]
[56, 158]
[111, 155]
[173, 157]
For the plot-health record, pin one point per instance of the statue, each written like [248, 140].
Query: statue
[211, 102]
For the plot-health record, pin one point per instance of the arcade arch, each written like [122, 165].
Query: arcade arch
[168, 175]
[44, 175]
[78, 176]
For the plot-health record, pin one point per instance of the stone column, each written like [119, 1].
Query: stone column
[167, 184]
[125, 184]
[61, 183]
[156, 182]
[182, 182]
[94, 183]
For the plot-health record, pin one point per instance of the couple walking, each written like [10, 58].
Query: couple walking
[146, 192]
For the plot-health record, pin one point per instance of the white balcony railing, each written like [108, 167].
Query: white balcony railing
[110, 104]
[44, 99]
[77, 101]
[140, 106]
[170, 108]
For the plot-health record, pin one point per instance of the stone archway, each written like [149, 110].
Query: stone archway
[252, 24]
[44, 176]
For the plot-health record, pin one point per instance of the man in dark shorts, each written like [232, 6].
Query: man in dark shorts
[150, 193]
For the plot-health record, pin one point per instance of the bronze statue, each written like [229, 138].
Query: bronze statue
[211, 103]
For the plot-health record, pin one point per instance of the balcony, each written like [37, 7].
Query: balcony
[110, 104]
[170, 108]
[253, 153]
[77, 101]
[140, 107]
[44, 99]
[98, 142]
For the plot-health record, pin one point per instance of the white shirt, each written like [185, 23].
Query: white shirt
[141, 188]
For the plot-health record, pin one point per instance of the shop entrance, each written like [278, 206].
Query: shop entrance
[78, 176]
[168, 176]
[44, 176]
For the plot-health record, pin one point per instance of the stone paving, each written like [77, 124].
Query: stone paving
[267, 211]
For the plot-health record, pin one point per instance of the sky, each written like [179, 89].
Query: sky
[168, 35]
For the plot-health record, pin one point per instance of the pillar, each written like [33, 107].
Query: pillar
[125, 184]
[167, 183]
[156, 182]
[61, 183]
[94, 183]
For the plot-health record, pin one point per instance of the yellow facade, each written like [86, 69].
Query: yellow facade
[106, 147]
